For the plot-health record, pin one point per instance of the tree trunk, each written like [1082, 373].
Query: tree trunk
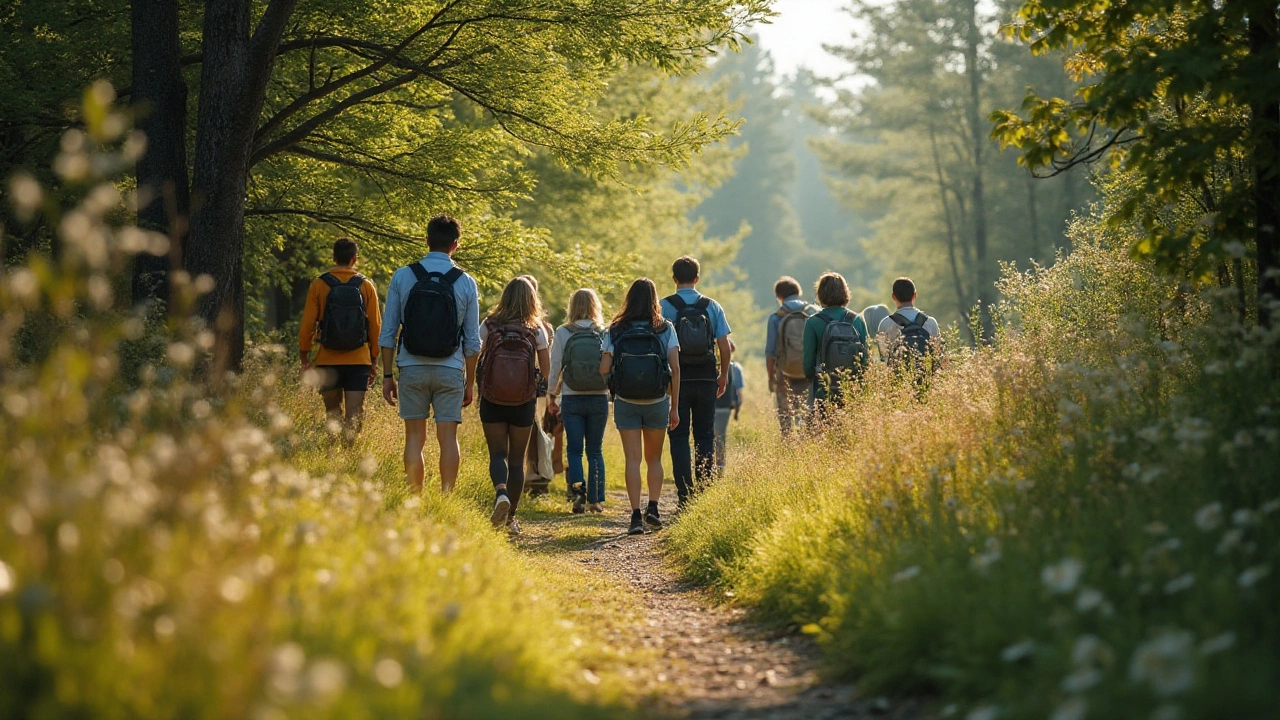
[962, 298]
[233, 80]
[1264, 42]
[160, 106]
[979, 140]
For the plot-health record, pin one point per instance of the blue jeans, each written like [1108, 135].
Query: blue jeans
[697, 411]
[585, 418]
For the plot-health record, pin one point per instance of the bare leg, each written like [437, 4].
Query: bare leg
[332, 404]
[355, 409]
[415, 437]
[450, 454]
[653, 440]
[632, 449]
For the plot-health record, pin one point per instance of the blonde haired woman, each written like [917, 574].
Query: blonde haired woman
[514, 347]
[576, 353]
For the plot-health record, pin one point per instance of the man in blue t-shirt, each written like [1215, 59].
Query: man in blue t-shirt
[704, 373]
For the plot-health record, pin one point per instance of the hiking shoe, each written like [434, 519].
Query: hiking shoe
[501, 509]
[513, 526]
[652, 520]
[637, 524]
[595, 507]
[579, 499]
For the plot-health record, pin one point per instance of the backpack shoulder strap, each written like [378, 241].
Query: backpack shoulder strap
[356, 280]
[899, 320]
[330, 280]
[452, 276]
[703, 303]
[676, 301]
[419, 272]
[921, 319]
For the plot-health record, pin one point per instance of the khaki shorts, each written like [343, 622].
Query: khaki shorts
[431, 390]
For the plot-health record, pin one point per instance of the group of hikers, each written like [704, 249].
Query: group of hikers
[664, 363]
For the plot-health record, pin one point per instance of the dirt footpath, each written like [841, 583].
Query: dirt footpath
[714, 662]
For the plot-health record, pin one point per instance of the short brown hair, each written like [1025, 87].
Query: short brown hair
[442, 232]
[903, 289]
[832, 290]
[345, 250]
[786, 287]
[685, 270]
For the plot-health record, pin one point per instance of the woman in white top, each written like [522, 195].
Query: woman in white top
[579, 395]
[507, 403]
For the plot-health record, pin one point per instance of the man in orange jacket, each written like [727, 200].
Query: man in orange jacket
[342, 315]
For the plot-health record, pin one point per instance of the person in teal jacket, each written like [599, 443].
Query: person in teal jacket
[833, 295]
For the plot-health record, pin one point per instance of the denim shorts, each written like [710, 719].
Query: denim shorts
[630, 416]
[428, 389]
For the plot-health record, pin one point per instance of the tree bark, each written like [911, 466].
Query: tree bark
[978, 138]
[1264, 43]
[233, 81]
[160, 107]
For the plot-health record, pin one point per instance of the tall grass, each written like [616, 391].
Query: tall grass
[168, 549]
[1079, 521]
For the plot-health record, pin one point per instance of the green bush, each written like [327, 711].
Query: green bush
[1081, 520]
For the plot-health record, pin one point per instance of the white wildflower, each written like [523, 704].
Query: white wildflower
[1192, 432]
[1062, 577]
[1156, 528]
[1018, 651]
[1269, 507]
[7, 581]
[1218, 643]
[1088, 599]
[1081, 680]
[1132, 470]
[388, 673]
[985, 712]
[1230, 540]
[1209, 516]
[1089, 650]
[906, 574]
[1150, 474]
[326, 678]
[1244, 517]
[1165, 662]
[1233, 248]
[1073, 709]
[1253, 575]
[233, 589]
[1151, 434]
[1180, 583]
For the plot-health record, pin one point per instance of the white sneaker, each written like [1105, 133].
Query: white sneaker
[501, 508]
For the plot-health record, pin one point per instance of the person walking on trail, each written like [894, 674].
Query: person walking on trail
[784, 354]
[908, 337]
[835, 344]
[704, 375]
[514, 357]
[872, 316]
[579, 397]
[641, 357]
[342, 314]
[547, 439]
[728, 406]
[431, 331]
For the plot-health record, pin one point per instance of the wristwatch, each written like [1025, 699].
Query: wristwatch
[388, 376]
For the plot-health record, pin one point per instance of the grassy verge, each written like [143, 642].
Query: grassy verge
[1081, 521]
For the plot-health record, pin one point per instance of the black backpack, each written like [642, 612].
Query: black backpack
[640, 369]
[429, 325]
[693, 329]
[345, 323]
[916, 343]
[843, 347]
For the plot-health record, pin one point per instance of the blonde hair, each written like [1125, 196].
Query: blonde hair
[518, 305]
[585, 305]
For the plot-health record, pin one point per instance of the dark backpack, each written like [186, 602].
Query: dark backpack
[640, 369]
[843, 347]
[582, 354]
[916, 343]
[345, 323]
[429, 326]
[508, 365]
[694, 331]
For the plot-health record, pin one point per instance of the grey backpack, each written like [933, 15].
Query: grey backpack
[582, 356]
[843, 346]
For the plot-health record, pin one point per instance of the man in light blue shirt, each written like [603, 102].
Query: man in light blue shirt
[441, 384]
[703, 375]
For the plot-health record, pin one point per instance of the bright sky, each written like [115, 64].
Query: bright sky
[797, 34]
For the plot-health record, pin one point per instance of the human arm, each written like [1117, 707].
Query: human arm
[390, 392]
[468, 393]
[307, 330]
[771, 350]
[812, 336]
[726, 357]
[555, 380]
[374, 314]
[387, 338]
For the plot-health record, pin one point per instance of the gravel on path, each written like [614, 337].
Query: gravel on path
[714, 663]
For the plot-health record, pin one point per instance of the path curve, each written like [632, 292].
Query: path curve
[714, 664]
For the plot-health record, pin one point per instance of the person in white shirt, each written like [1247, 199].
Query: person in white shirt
[906, 320]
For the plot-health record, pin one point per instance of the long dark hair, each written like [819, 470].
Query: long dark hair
[640, 305]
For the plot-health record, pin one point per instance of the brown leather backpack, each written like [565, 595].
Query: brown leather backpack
[508, 365]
